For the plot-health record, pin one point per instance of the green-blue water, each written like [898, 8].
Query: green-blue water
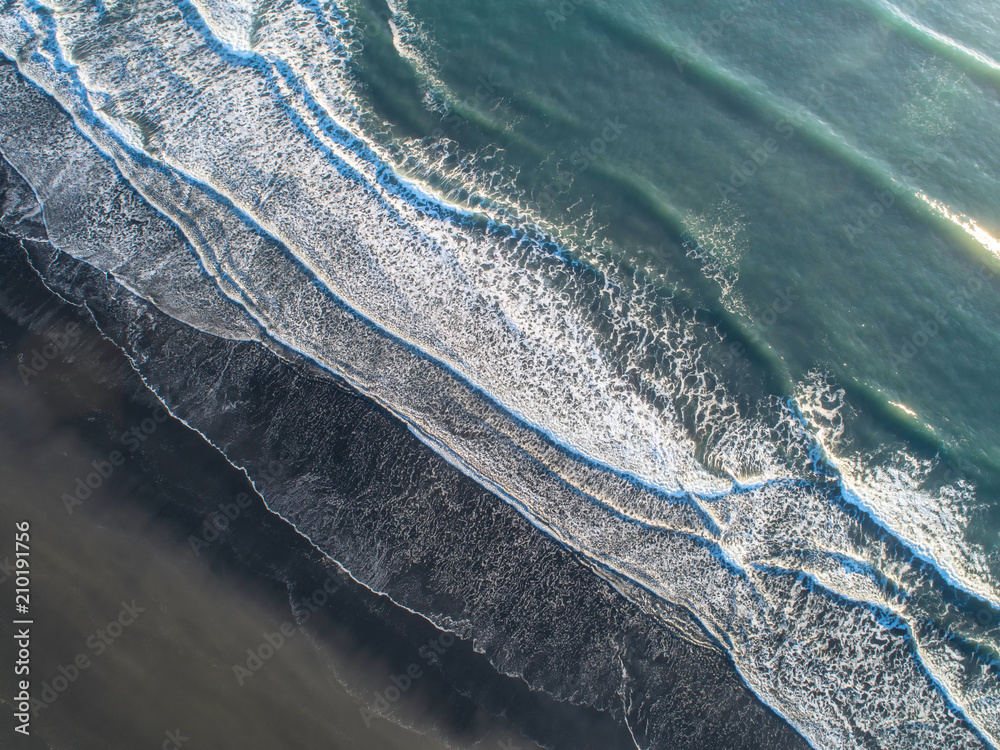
[791, 141]
[708, 293]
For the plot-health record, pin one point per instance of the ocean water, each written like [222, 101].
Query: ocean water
[694, 306]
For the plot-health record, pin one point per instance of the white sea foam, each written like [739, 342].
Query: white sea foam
[479, 338]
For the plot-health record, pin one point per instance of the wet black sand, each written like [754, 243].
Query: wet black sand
[369, 494]
[145, 539]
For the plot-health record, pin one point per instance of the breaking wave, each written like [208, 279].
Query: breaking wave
[230, 136]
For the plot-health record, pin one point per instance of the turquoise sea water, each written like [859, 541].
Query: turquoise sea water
[798, 144]
[819, 179]
[709, 293]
